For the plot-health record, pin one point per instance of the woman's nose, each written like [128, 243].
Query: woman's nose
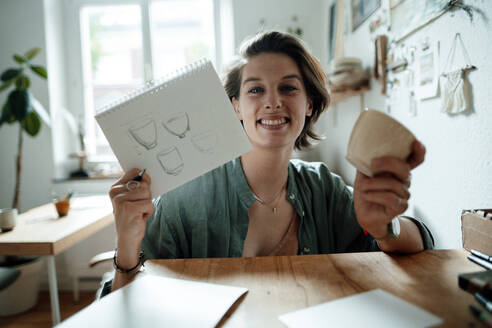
[273, 102]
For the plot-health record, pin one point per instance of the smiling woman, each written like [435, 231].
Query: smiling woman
[294, 58]
[264, 203]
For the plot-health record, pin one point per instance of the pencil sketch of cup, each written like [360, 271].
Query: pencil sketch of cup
[171, 161]
[177, 124]
[145, 134]
[205, 142]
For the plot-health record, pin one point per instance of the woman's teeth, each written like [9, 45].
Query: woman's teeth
[273, 122]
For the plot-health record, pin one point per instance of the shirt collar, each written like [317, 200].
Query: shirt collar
[236, 174]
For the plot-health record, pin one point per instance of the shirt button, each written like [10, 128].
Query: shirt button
[292, 196]
[307, 249]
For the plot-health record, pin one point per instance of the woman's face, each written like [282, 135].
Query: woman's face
[272, 103]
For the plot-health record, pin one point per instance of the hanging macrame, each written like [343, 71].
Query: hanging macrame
[456, 97]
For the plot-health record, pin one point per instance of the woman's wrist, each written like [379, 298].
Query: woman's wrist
[127, 256]
[128, 269]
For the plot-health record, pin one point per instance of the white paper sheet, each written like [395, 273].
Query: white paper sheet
[375, 308]
[176, 131]
[154, 301]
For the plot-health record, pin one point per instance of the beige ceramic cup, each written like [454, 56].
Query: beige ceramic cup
[8, 219]
[374, 135]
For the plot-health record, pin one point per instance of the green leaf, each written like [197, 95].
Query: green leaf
[7, 116]
[19, 103]
[32, 124]
[40, 70]
[6, 85]
[22, 82]
[31, 53]
[10, 74]
[20, 59]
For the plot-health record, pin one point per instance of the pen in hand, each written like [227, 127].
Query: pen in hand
[135, 182]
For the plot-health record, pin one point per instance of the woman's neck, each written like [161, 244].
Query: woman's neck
[266, 170]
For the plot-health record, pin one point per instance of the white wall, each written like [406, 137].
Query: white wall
[457, 173]
[278, 15]
[22, 26]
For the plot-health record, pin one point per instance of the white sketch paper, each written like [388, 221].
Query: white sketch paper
[375, 308]
[154, 301]
[196, 129]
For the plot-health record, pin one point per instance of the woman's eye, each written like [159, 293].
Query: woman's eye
[288, 88]
[255, 90]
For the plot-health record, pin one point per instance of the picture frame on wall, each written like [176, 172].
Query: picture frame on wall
[407, 16]
[361, 10]
[427, 71]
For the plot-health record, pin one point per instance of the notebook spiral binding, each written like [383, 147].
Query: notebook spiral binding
[154, 86]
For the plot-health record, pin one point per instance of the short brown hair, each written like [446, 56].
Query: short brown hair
[314, 78]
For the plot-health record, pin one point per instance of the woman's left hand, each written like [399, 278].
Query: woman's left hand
[379, 199]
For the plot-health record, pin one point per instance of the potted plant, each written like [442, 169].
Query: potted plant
[21, 107]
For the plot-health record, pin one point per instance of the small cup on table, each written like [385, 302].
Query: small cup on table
[62, 204]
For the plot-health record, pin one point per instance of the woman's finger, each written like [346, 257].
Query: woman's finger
[385, 183]
[143, 207]
[130, 175]
[126, 188]
[393, 204]
[395, 166]
[121, 193]
[418, 154]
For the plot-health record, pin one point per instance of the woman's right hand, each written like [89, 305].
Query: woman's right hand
[131, 208]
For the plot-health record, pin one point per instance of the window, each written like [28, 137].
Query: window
[124, 44]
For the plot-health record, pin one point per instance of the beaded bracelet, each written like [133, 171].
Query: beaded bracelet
[141, 260]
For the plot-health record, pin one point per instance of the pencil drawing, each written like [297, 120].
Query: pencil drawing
[205, 142]
[177, 124]
[145, 133]
[171, 161]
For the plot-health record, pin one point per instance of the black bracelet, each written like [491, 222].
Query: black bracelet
[141, 260]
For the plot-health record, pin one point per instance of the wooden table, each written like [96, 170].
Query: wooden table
[39, 231]
[279, 285]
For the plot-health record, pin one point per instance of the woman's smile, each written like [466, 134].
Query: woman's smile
[273, 123]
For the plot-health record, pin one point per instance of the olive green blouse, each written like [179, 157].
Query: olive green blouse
[208, 217]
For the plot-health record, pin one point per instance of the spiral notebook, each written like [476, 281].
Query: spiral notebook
[177, 129]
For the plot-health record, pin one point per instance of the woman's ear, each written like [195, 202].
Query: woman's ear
[235, 104]
[309, 110]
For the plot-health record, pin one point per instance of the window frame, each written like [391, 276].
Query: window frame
[79, 90]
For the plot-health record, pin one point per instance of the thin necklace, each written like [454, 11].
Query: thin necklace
[265, 203]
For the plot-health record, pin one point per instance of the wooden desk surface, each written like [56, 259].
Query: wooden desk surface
[279, 285]
[39, 231]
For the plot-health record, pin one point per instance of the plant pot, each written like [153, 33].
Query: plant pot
[22, 295]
